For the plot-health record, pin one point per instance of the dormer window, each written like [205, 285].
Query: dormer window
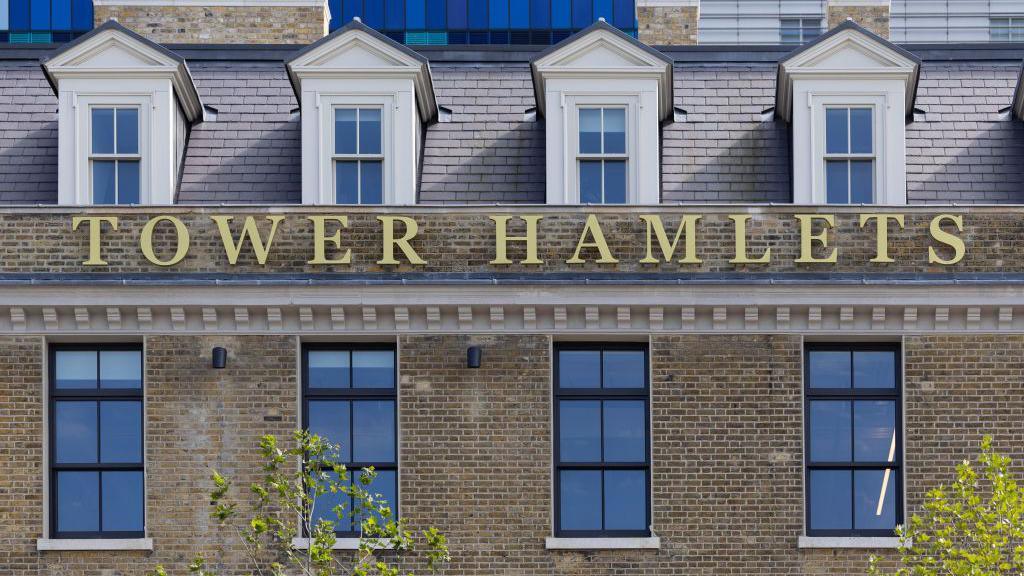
[124, 108]
[114, 159]
[358, 160]
[603, 95]
[602, 158]
[847, 96]
[849, 155]
[365, 99]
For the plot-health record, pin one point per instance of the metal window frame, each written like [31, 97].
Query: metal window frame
[114, 156]
[853, 394]
[351, 394]
[601, 394]
[97, 395]
[357, 157]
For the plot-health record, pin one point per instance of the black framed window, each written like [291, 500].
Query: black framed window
[852, 444]
[602, 447]
[349, 397]
[97, 484]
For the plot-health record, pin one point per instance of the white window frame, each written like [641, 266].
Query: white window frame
[877, 102]
[357, 156]
[801, 28]
[114, 156]
[1013, 25]
[84, 104]
[849, 156]
[602, 156]
[327, 103]
[576, 102]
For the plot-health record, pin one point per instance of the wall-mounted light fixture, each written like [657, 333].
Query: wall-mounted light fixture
[473, 354]
[220, 357]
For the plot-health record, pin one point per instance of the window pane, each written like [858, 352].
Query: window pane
[369, 131]
[615, 182]
[837, 182]
[830, 494]
[579, 369]
[102, 130]
[590, 181]
[103, 182]
[836, 131]
[121, 431]
[874, 369]
[579, 430]
[328, 369]
[120, 368]
[614, 131]
[76, 369]
[590, 130]
[330, 419]
[127, 131]
[860, 130]
[373, 369]
[373, 424]
[122, 501]
[78, 502]
[862, 181]
[830, 430]
[625, 500]
[372, 181]
[874, 499]
[580, 502]
[325, 504]
[829, 369]
[384, 485]
[346, 179]
[127, 182]
[345, 131]
[75, 431]
[624, 369]
[624, 430]
[874, 430]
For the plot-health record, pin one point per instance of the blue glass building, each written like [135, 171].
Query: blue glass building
[415, 22]
[440, 22]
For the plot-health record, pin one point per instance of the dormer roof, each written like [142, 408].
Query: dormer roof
[113, 51]
[844, 52]
[602, 50]
[357, 51]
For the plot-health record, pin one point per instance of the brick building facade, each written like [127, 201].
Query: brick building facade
[737, 308]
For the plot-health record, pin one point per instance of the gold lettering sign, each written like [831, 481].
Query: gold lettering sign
[411, 229]
[881, 233]
[951, 240]
[320, 240]
[146, 241]
[249, 230]
[741, 243]
[808, 237]
[688, 225]
[592, 228]
[501, 239]
[95, 224]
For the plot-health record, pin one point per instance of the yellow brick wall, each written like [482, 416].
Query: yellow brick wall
[221, 24]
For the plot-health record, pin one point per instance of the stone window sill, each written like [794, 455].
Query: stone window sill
[339, 544]
[642, 543]
[862, 542]
[93, 544]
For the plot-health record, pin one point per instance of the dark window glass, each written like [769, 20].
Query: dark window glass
[369, 131]
[96, 456]
[590, 130]
[837, 122]
[349, 397]
[104, 184]
[358, 165]
[81, 14]
[853, 445]
[602, 466]
[590, 181]
[615, 130]
[860, 131]
[345, 139]
[102, 130]
[127, 131]
[371, 182]
[837, 181]
[347, 180]
[862, 176]
[127, 182]
[614, 181]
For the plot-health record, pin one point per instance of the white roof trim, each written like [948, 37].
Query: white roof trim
[805, 64]
[396, 63]
[152, 61]
[561, 63]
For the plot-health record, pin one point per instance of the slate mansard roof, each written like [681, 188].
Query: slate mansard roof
[723, 145]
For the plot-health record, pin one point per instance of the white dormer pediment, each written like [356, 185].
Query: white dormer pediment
[354, 52]
[113, 52]
[847, 52]
[603, 52]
